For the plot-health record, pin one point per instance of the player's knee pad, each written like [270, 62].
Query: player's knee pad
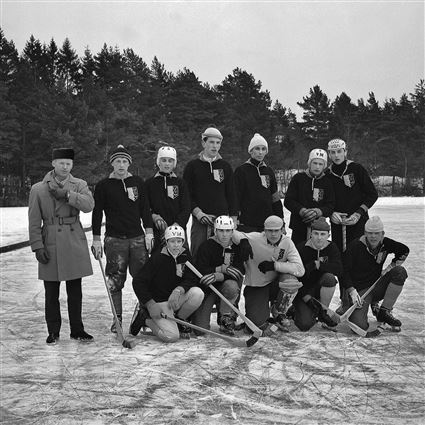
[230, 289]
[398, 275]
[328, 280]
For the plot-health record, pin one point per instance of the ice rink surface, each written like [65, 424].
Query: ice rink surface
[318, 377]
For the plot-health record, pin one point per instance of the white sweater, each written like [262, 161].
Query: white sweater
[285, 254]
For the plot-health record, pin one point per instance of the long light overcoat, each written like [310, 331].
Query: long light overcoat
[65, 243]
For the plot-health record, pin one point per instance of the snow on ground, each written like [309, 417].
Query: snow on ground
[305, 378]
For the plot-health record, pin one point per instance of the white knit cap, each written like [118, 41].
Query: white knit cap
[211, 132]
[166, 152]
[257, 140]
[335, 144]
[374, 224]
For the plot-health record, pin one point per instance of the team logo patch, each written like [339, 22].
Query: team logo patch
[349, 180]
[323, 259]
[381, 257]
[173, 192]
[218, 175]
[133, 193]
[180, 269]
[318, 194]
[228, 258]
[265, 181]
[281, 254]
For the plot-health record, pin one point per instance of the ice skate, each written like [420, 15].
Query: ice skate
[52, 338]
[138, 321]
[384, 315]
[321, 313]
[81, 336]
[227, 324]
[184, 331]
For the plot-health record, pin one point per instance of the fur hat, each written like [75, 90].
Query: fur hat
[166, 152]
[63, 153]
[120, 152]
[320, 224]
[374, 224]
[257, 140]
[211, 132]
[273, 223]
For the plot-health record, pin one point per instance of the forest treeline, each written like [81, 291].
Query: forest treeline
[49, 97]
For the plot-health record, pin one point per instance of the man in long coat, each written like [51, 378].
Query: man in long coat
[57, 238]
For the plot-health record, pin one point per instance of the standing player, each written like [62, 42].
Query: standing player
[363, 264]
[165, 285]
[256, 188]
[220, 262]
[168, 195]
[122, 197]
[323, 266]
[211, 187]
[310, 195]
[58, 241]
[354, 195]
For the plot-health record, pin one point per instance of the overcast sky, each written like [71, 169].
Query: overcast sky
[354, 47]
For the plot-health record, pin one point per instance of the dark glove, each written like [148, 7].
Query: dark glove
[58, 193]
[266, 266]
[206, 220]
[208, 279]
[309, 215]
[245, 250]
[42, 255]
[352, 220]
[234, 273]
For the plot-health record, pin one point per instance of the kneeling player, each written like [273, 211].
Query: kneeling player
[272, 274]
[363, 264]
[220, 262]
[322, 263]
[165, 286]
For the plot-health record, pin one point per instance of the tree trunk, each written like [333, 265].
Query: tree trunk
[393, 186]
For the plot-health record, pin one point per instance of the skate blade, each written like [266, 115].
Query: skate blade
[329, 328]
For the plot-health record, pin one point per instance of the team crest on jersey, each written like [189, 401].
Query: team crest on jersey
[265, 181]
[180, 269]
[133, 193]
[228, 258]
[173, 192]
[349, 180]
[218, 175]
[381, 257]
[318, 194]
[281, 254]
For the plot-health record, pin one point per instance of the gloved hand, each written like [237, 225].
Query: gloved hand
[149, 242]
[58, 193]
[154, 309]
[355, 298]
[174, 299]
[310, 215]
[208, 279]
[206, 220]
[245, 250]
[352, 219]
[234, 273]
[42, 255]
[336, 218]
[159, 222]
[266, 266]
[97, 250]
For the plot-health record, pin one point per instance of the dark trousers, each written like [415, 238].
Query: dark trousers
[52, 306]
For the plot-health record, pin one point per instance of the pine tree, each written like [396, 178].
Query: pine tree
[68, 65]
[316, 116]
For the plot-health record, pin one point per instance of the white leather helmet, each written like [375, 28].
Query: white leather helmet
[174, 232]
[335, 144]
[166, 152]
[224, 222]
[318, 154]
